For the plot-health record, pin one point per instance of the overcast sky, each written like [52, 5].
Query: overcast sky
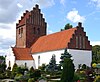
[57, 14]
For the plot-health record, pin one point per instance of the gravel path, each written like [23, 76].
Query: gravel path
[7, 80]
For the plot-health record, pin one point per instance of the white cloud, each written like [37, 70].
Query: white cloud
[62, 2]
[93, 43]
[75, 17]
[95, 3]
[19, 5]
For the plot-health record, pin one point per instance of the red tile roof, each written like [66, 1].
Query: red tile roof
[54, 41]
[22, 53]
[23, 20]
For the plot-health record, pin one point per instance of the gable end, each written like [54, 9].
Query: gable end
[79, 40]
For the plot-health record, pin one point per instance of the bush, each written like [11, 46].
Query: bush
[76, 77]
[84, 66]
[2, 76]
[18, 77]
[31, 80]
[24, 78]
[8, 73]
[97, 79]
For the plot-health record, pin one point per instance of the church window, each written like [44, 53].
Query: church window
[38, 31]
[9, 63]
[83, 42]
[38, 61]
[25, 64]
[21, 30]
[76, 41]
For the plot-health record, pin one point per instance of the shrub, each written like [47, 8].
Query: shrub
[31, 80]
[84, 66]
[21, 78]
[94, 65]
[18, 77]
[76, 77]
[2, 76]
[8, 73]
[97, 79]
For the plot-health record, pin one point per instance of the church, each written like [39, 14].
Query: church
[34, 47]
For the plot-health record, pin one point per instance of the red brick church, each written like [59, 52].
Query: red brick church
[34, 47]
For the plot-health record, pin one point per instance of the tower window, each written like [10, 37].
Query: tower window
[21, 30]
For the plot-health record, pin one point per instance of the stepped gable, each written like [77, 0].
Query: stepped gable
[23, 19]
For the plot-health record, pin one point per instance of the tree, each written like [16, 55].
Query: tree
[2, 64]
[96, 54]
[42, 67]
[68, 68]
[64, 55]
[31, 69]
[67, 26]
[2, 58]
[84, 66]
[52, 64]
[14, 70]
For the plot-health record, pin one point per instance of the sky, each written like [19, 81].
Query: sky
[57, 13]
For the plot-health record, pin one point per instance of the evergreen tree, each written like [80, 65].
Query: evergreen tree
[64, 55]
[52, 64]
[14, 72]
[68, 67]
[2, 64]
[96, 54]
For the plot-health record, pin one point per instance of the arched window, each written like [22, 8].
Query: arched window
[38, 61]
[25, 64]
[21, 30]
[9, 63]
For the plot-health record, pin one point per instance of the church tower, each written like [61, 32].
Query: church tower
[31, 26]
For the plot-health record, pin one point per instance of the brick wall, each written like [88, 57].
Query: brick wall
[82, 41]
[34, 27]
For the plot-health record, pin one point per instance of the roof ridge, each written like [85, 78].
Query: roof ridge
[58, 32]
